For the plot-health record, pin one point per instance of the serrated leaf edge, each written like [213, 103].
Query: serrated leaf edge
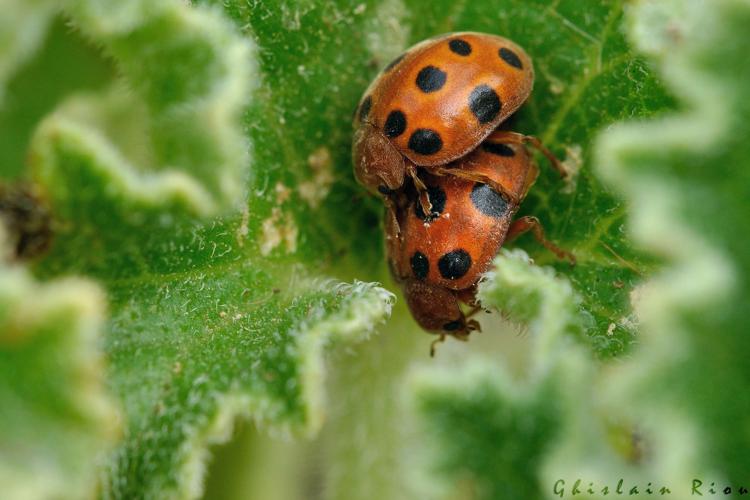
[163, 189]
[28, 305]
[364, 307]
[218, 112]
[697, 276]
[354, 323]
[536, 296]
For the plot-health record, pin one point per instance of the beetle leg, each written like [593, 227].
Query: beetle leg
[476, 177]
[474, 310]
[392, 237]
[424, 197]
[472, 325]
[531, 223]
[392, 225]
[434, 343]
[516, 138]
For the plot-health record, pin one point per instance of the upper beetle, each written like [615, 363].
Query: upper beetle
[434, 104]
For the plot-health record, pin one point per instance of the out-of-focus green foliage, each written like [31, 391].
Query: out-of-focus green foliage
[55, 418]
[587, 77]
[673, 412]
[195, 157]
[491, 432]
[209, 318]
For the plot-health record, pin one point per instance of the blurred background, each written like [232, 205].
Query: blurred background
[194, 300]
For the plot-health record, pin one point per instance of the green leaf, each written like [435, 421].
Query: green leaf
[489, 436]
[32, 93]
[22, 29]
[587, 78]
[55, 416]
[208, 228]
[256, 354]
[686, 176]
[209, 319]
[674, 411]
[180, 117]
[492, 432]
[534, 297]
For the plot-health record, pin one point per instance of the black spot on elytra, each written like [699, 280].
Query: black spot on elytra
[498, 149]
[437, 199]
[393, 63]
[364, 109]
[455, 264]
[425, 141]
[484, 103]
[453, 325]
[395, 124]
[488, 201]
[460, 47]
[431, 79]
[420, 265]
[511, 58]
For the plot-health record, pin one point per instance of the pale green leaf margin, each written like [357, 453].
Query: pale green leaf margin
[69, 422]
[533, 296]
[67, 467]
[214, 181]
[353, 323]
[365, 306]
[698, 276]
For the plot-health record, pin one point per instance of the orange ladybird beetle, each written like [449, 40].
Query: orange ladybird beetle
[427, 139]
[438, 257]
[436, 103]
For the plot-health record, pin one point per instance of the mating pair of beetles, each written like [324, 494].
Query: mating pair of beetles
[427, 141]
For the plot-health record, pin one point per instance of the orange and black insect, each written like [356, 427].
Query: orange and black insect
[435, 103]
[438, 257]
[427, 140]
